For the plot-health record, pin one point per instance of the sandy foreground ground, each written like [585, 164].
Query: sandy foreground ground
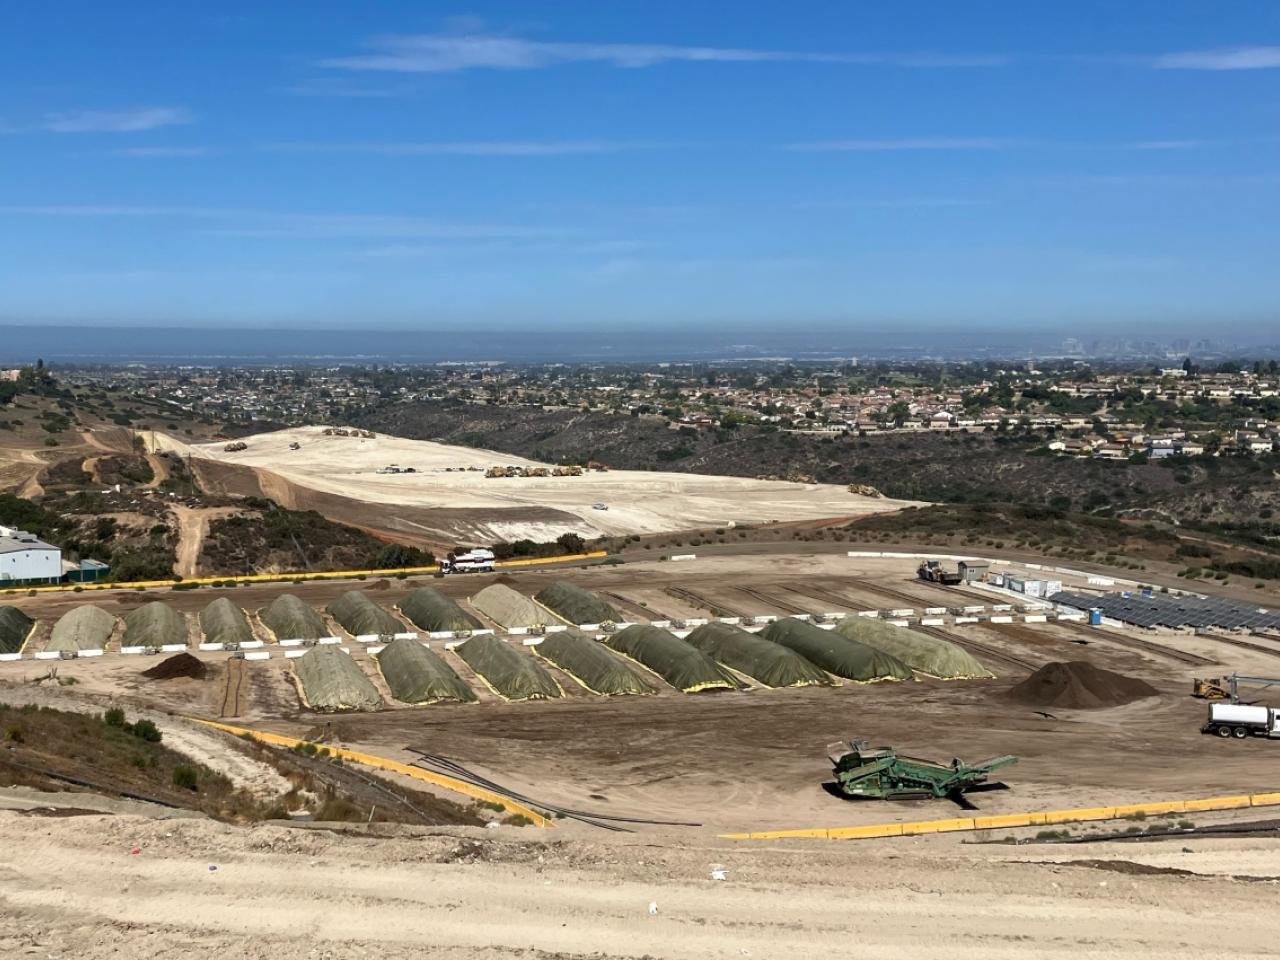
[539, 508]
[72, 888]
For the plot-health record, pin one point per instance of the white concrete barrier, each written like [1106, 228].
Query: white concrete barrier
[92, 653]
[1101, 581]
[802, 616]
[1034, 618]
[660, 623]
[729, 619]
[261, 655]
[374, 651]
[1002, 619]
[1071, 616]
[531, 641]
[328, 641]
[933, 611]
[292, 643]
[897, 623]
[1001, 607]
[288, 654]
[975, 609]
[368, 637]
[966, 619]
[825, 626]
[932, 622]
[209, 647]
[441, 634]
[9, 657]
[835, 616]
[868, 613]
[768, 618]
[49, 655]
[453, 644]
[407, 635]
[589, 627]
[903, 612]
[254, 644]
[482, 632]
[172, 647]
[555, 628]
[695, 622]
[128, 651]
[685, 556]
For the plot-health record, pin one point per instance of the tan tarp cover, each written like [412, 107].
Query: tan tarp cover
[931, 656]
[332, 681]
[509, 608]
[83, 628]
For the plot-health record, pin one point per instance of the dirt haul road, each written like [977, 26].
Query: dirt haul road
[73, 889]
[449, 481]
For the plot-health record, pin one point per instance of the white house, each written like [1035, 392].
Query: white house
[23, 557]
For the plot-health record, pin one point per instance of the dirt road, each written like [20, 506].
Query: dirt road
[73, 889]
[193, 527]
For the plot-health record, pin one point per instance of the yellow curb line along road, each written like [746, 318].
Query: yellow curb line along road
[1079, 815]
[391, 766]
[291, 577]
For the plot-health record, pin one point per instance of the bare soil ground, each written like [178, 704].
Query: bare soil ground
[73, 889]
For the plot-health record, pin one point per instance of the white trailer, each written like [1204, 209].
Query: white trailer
[1242, 720]
[473, 561]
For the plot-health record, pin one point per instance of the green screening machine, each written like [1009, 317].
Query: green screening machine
[880, 773]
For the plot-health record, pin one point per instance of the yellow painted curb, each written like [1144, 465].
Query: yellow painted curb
[392, 766]
[298, 576]
[1008, 820]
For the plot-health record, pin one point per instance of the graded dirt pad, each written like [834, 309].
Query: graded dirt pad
[179, 666]
[1079, 685]
[15, 627]
[449, 505]
[467, 894]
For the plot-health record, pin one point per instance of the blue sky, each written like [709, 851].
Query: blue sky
[622, 164]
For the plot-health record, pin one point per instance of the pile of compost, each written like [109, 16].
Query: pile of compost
[1080, 686]
[178, 666]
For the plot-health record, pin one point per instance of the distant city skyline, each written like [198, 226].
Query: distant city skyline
[1034, 171]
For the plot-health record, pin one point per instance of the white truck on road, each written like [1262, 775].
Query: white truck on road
[1242, 720]
[473, 561]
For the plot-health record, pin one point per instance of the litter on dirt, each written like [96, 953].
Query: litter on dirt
[1079, 685]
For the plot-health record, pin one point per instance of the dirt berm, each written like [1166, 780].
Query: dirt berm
[1081, 686]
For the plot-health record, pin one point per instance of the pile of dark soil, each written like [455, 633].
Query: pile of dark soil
[1079, 685]
[178, 666]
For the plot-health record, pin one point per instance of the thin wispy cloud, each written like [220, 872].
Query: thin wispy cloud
[446, 53]
[472, 148]
[116, 121]
[301, 226]
[910, 143]
[1232, 58]
[146, 153]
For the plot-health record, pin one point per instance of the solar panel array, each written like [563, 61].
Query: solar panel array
[1167, 610]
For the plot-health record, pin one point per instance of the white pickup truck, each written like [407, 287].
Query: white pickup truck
[1242, 720]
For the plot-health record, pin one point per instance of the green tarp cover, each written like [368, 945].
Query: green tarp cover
[509, 608]
[590, 663]
[576, 605]
[14, 627]
[361, 617]
[510, 673]
[84, 628]
[762, 660]
[332, 681]
[290, 619]
[431, 610]
[154, 624]
[932, 656]
[836, 653]
[416, 675]
[224, 622]
[684, 667]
